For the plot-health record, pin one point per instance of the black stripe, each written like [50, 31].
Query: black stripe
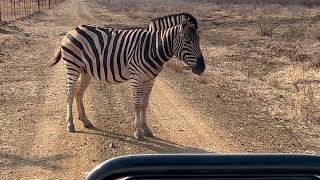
[133, 69]
[142, 51]
[146, 52]
[175, 20]
[153, 48]
[78, 58]
[75, 41]
[162, 23]
[98, 33]
[123, 39]
[113, 49]
[170, 21]
[166, 46]
[129, 40]
[138, 84]
[71, 53]
[140, 48]
[93, 48]
[160, 50]
[72, 79]
[72, 74]
[166, 22]
[106, 51]
[71, 69]
[133, 42]
[71, 62]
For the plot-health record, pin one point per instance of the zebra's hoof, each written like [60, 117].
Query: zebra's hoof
[88, 125]
[71, 129]
[138, 136]
[148, 133]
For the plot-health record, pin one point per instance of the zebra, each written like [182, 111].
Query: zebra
[118, 55]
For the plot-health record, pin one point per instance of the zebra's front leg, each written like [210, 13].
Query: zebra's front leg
[82, 86]
[71, 90]
[146, 89]
[137, 103]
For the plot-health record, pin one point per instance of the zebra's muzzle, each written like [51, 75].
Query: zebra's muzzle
[200, 66]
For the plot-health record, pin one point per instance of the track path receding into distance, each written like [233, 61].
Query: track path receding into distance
[34, 140]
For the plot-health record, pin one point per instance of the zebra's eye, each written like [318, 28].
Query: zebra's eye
[188, 42]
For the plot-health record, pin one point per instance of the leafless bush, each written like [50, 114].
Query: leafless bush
[300, 57]
[294, 32]
[266, 27]
[308, 4]
[317, 34]
[248, 72]
[315, 62]
[275, 82]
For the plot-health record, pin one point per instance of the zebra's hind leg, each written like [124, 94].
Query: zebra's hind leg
[82, 86]
[72, 78]
[146, 90]
[137, 102]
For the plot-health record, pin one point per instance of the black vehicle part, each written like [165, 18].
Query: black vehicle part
[209, 166]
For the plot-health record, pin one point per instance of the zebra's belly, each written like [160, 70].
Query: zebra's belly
[114, 76]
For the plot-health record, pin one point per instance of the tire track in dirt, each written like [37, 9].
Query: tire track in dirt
[113, 120]
[62, 155]
[59, 154]
[181, 124]
[50, 153]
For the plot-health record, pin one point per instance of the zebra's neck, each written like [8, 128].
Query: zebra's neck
[153, 50]
[165, 43]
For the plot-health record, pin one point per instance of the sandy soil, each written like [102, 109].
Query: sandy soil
[237, 109]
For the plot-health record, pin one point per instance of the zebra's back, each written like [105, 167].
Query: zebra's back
[103, 53]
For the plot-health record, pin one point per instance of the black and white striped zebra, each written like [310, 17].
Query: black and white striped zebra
[115, 56]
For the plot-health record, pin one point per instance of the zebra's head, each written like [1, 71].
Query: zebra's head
[187, 47]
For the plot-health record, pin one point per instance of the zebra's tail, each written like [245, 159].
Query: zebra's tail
[56, 59]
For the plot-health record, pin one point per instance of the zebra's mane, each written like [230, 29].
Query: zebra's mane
[187, 16]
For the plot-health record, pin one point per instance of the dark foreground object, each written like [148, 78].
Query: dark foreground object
[210, 166]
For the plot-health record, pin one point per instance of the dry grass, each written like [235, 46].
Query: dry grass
[82, 14]
[316, 34]
[179, 67]
[275, 82]
[296, 73]
[294, 32]
[300, 57]
[176, 65]
[298, 54]
[202, 79]
[301, 103]
[305, 105]
[265, 26]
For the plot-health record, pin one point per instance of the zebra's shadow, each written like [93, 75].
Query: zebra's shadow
[154, 144]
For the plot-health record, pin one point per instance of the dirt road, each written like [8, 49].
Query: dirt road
[34, 141]
[186, 116]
